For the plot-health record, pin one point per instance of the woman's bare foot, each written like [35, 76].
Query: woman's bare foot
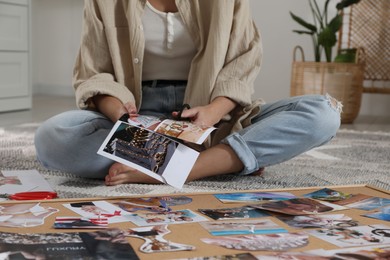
[204, 166]
[121, 174]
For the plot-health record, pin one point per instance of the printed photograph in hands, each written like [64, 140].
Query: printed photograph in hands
[151, 153]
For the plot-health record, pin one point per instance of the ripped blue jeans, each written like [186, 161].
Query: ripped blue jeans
[284, 129]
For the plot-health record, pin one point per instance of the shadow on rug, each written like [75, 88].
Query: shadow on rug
[352, 157]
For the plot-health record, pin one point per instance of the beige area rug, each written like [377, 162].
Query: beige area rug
[350, 158]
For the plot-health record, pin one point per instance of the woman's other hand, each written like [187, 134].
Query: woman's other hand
[210, 114]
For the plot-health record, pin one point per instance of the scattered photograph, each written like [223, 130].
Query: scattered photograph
[234, 213]
[379, 252]
[12, 182]
[354, 236]
[370, 203]
[382, 214]
[154, 240]
[318, 221]
[250, 197]
[80, 223]
[272, 242]
[153, 204]
[295, 256]
[99, 209]
[363, 202]
[156, 155]
[351, 253]
[352, 199]
[327, 194]
[299, 206]
[242, 227]
[183, 130]
[145, 121]
[166, 217]
[103, 244]
[24, 215]
[243, 256]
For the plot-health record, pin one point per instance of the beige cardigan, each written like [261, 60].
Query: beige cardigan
[226, 64]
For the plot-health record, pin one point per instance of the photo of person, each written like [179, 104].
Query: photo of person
[234, 213]
[167, 217]
[105, 244]
[318, 221]
[144, 204]
[272, 242]
[99, 209]
[354, 236]
[299, 206]
[155, 204]
[24, 215]
[77, 222]
[154, 239]
[108, 244]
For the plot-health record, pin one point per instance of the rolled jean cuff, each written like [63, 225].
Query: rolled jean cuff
[239, 146]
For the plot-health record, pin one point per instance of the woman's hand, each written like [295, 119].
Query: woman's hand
[112, 107]
[210, 114]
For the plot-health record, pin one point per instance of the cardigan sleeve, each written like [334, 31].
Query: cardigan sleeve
[93, 72]
[243, 58]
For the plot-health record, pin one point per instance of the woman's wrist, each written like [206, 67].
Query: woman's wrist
[222, 106]
[109, 106]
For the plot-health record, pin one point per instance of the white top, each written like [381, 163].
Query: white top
[169, 48]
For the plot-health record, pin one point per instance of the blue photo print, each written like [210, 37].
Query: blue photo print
[253, 196]
[327, 194]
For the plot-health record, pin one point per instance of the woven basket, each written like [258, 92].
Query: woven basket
[343, 81]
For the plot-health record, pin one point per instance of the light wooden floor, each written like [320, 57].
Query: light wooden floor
[46, 106]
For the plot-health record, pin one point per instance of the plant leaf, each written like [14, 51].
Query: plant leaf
[305, 24]
[317, 15]
[303, 32]
[327, 38]
[336, 23]
[326, 11]
[345, 3]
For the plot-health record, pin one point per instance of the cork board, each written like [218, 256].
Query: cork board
[191, 233]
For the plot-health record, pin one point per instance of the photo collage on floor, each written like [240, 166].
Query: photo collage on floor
[246, 221]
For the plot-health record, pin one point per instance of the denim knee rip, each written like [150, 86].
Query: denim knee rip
[334, 103]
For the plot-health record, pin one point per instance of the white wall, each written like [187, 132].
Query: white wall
[56, 29]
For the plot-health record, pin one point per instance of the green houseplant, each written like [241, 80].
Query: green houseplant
[343, 78]
[324, 30]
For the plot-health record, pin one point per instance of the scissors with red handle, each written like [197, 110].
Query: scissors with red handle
[31, 195]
